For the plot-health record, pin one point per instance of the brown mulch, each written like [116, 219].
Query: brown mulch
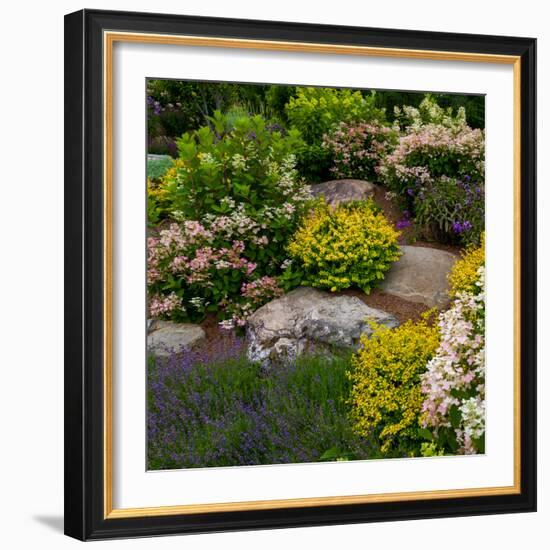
[211, 327]
[402, 310]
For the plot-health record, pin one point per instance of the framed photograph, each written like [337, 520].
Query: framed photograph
[300, 274]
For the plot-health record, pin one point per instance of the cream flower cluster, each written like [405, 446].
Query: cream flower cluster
[456, 373]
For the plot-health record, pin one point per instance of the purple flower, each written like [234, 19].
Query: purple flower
[459, 227]
[410, 192]
[401, 224]
[210, 407]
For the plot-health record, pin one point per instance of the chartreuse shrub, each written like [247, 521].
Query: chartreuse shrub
[237, 199]
[315, 112]
[352, 245]
[464, 275]
[386, 395]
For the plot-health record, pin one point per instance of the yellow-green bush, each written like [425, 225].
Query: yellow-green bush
[464, 275]
[337, 248]
[386, 397]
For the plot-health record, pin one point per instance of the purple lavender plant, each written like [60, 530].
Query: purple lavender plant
[212, 407]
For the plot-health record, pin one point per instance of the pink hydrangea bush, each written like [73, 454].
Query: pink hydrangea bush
[437, 174]
[254, 294]
[454, 382]
[192, 269]
[235, 198]
[358, 147]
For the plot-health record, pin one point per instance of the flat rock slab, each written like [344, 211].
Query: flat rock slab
[420, 276]
[307, 318]
[165, 337]
[346, 190]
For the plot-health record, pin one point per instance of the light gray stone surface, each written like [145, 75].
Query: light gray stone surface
[306, 317]
[420, 275]
[166, 337]
[345, 190]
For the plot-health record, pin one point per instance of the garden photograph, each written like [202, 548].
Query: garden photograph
[315, 274]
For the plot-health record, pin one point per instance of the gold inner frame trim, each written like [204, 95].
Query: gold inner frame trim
[109, 39]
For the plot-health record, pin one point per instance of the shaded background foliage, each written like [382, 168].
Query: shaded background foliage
[177, 106]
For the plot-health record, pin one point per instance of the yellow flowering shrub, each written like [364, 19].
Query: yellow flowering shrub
[161, 193]
[337, 248]
[464, 275]
[386, 397]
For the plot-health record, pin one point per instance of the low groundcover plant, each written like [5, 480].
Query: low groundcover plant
[213, 407]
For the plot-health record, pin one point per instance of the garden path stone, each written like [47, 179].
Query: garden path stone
[307, 318]
[165, 337]
[345, 190]
[420, 276]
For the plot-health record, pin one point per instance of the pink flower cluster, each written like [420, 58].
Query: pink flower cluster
[257, 291]
[160, 305]
[458, 368]
[432, 141]
[357, 148]
[189, 254]
[255, 294]
[183, 251]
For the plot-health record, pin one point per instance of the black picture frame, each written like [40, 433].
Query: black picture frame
[84, 262]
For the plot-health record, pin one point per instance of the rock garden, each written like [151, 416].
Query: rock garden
[315, 274]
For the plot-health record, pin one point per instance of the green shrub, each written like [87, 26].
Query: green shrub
[237, 200]
[315, 112]
[351, 245]
[429, 112]
[386, 396]
[176, 106]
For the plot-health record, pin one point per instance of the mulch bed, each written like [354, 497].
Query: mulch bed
[402, 310]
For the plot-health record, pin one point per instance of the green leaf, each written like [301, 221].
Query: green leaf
[479, 444]
[424, 433]
[455, 416]
[333, 454]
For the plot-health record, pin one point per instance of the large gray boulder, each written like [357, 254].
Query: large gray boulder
[420, 275]
[165, 337]
[306, 318]
[346, 190]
